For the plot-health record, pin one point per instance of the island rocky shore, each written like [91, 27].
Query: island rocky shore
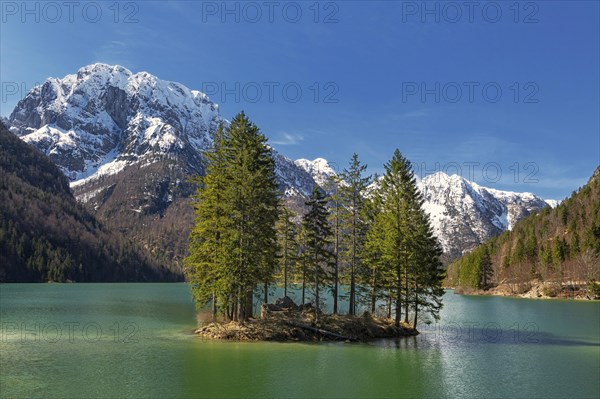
[287, 322]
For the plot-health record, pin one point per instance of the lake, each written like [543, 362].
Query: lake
[135, 340]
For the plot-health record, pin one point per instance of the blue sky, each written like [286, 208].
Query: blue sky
[495, 88]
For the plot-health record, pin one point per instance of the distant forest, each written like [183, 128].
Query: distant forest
[45, 235]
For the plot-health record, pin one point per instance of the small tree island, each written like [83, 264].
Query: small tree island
[372, 238]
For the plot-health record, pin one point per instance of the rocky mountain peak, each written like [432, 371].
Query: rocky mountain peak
[319, 168]
[464, 214]
[128, 141]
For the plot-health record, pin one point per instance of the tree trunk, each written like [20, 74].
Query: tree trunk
[335, 287]
[240, 306]
[373, 292]
[285, 255]
[398, 296]
[249, 311]
[266, 298]
[335, 268]
[303, 280]
[235, 309]
[285, 282]
[416, 310]
[352, 304]
[214, 306]
[316, 287]
[389, 304]
[406, 290]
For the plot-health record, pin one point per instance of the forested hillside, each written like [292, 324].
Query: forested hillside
[560, 245]
[45, 235]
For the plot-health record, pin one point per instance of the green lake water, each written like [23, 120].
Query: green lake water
[134, 340]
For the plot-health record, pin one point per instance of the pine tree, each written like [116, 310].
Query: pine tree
[485, 268]
[233, 245]
[318, 242]
[336, 215]
[255, 200]
[558, 251]
[207, 266]
[429, 272]
[351, 193]
[519, 252]
[373, 251]
[402, 251]
[575, 246]
[393, 221]
[302, 259]
[531, 246]
[287, 236]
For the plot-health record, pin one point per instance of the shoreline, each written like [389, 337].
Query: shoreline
[535, 290]
[298, 326]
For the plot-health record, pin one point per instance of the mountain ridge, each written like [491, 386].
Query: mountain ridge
[128, 143]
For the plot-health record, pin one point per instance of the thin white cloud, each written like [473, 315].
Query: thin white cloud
[287, 139]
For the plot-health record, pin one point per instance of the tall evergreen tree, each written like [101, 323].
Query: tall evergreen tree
[373, 252]
[336, 214]
[402, 240]
[236, 212]
[255, 200]
[393, 222]
[208, 263]
[318, 242]
[485, 269]
[429, 272]
[351, 192]
[302, 259]
[288, 244]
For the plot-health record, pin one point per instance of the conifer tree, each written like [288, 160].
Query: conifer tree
[429, 272]
[401, 237]
[335, 218]
[318, 242]
[208, 264]
[351, 193]
[373, 251]
[287, 236]
[233, 245]
[302, 259]
[485, 268]
[255, 200]
[393, 221]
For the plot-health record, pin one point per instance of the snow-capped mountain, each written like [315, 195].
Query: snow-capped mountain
[128, 143]
[464, 214]
[104, 118]
[319, 169]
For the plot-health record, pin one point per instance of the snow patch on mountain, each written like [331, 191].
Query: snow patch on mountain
[319, 169]
[105, 115]
[105, 118]
[464, 214]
